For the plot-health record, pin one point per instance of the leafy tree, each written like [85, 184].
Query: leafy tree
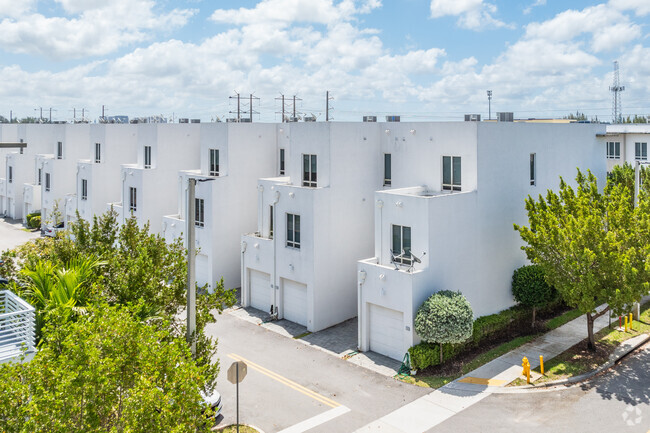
[592, 246]
[105, 372]
[531, 289]
[446, 317]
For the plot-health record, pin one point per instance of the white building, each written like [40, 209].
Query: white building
[314, 223]
[233, 157]
[149, 188]
[467, 183]
[626, 143]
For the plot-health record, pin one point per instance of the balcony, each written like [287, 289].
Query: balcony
[16, 327]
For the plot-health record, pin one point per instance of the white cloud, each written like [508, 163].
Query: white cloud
[98, 30]
[640, 7]
[472, 14]
[535, 4]
[13, 8]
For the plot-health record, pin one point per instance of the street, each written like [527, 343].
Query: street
[12, 234]
[290, 383]
[616, 401]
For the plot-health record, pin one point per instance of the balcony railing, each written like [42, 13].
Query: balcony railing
[16, 326]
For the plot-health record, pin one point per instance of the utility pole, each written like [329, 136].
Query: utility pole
[281, 98]
[327, 106]
[489, 95]
[616, 89]
[191, 271]
[238, 106]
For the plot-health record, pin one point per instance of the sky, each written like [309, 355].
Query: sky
[421, 59]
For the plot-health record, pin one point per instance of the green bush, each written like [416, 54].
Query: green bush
[529, 287]
[425, 354]
[446, 317]
[34, 222]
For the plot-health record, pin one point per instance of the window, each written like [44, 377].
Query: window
[10, 175]
[98, 153]
[293, 230]
[214, 162]
[48, 182]
[199, 212]
[133, 199]
[309, 170]
[147, 157]
[613, 149]
[641, 151]
[401, 245]
[40, 176]
[281, 161]
[271, 222]
[532, 169]
[84, 189]
[387, 166]
[59, 150]
[451, 173]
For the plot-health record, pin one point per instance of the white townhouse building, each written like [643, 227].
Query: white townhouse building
[19, 190]
[148, 188]
[449, 226]
[109, 146]
[233, 157]
[626, 142]
[314, 221]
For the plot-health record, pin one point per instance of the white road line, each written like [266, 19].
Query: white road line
[316, 420]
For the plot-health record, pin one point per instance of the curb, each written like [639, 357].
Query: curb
[230, 425]
[573, 380]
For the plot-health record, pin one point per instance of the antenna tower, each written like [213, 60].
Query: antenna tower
[616, 89]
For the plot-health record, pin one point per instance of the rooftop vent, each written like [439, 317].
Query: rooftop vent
[369, 118]
[183, 120]
[392, 118]
[505, 117]
[472, 118]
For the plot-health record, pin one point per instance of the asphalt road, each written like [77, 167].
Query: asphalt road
[288, 383]
[12, 235]
[616, 401]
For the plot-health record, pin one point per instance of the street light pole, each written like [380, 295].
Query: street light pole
[489, 95]
[191, 268]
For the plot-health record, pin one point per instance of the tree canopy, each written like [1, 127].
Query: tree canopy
[592, 245]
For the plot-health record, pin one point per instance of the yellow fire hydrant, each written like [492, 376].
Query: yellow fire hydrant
[526, 371]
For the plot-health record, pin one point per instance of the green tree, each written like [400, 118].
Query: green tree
[445, 317]
[592, 246]
[105, 372]
[531, 289]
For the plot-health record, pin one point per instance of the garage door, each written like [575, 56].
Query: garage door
[386, 331]
[260, 286]
[295, 302]
[202, 270]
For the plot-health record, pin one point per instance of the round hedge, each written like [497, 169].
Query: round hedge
[446, 317]
[530, 288]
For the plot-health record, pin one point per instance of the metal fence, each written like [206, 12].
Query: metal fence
[16, 326]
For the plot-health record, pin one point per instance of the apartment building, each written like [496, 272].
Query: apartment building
[451, 227]
[233, 157]
[625, 142]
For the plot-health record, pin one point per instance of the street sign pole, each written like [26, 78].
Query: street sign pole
[235, 377]
[237, 398]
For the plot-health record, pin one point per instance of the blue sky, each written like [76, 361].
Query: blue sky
[422, 59]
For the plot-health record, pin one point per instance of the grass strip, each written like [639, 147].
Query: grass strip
[565, 318]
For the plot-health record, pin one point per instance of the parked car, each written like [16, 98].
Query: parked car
[52, 231]
[213, 401]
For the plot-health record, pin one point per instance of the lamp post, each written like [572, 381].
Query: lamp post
[489, 95]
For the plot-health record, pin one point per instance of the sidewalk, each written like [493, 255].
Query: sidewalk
[434, 408]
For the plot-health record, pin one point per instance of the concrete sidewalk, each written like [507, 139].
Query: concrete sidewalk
[434, 408]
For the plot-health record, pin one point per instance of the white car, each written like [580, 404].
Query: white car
[51, 231]
[213, 401]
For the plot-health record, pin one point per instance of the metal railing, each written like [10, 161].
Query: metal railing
[16, 326]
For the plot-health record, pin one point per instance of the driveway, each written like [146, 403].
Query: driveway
[298, 386]
[12, 234]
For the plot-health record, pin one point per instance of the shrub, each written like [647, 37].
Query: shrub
[446, 317]
[34, 222]
[530, 288]
[425, 354]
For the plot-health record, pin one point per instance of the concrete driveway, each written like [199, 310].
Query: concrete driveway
[12, 234]
[295, 387]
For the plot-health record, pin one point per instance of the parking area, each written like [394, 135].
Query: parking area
[13, 233]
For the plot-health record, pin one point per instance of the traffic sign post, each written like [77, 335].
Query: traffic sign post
[237, 373]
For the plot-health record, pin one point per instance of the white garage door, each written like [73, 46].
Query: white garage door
[295, 302]
[260, 286]
[386, 331]
[203, 270]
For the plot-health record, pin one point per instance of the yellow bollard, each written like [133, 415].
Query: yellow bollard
[528, 374]
[541, 364]
[625, 323]
[524, 363]
[630, 321]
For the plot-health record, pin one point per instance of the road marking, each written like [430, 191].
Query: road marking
[317, 420]
[481, 381]
[287, 382]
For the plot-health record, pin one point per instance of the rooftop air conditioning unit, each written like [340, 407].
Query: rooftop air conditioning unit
[505, 117]
[231, 120]
[245, 120]
[392, 118]
[369, 118]
[183, 120]
[472, 118]
[310, 118]
[293, 119]
[195, 121]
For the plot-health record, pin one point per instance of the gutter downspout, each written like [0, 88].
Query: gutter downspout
[380, 205]
[275, 239]
[361, 280]
[243, 271]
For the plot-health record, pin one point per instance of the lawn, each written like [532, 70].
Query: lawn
[578, 359]
[242, 429]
